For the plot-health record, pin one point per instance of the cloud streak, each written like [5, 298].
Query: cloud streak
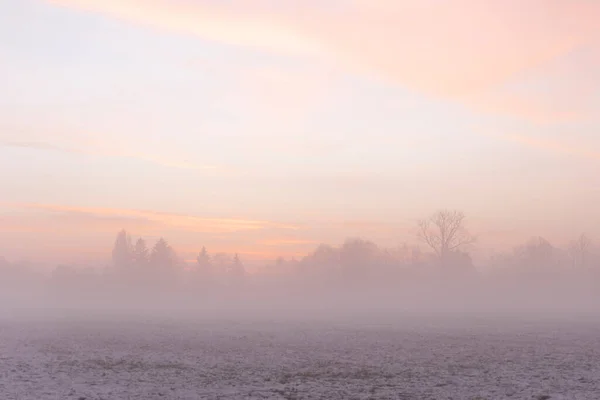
[155, 220]
[182, 164]
[248, 26]
[545, 144]
[85, 233]
[287, 242]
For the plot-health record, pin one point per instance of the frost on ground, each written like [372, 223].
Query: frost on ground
[112, 359]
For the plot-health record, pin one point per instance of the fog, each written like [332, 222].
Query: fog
[349, 321]
[355, 279]
[156, 157]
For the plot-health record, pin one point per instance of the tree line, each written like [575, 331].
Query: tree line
[444, 254]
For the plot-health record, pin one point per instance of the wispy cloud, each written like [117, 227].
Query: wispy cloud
[86, 233]
[457, 49]
[153, 220]
[189, 223]
[546, 144]
[243, 24]
[37, 146]
[287, 242]
[564, 91]
[158, 160]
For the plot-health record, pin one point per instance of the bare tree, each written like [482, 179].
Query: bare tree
[445, 233]
[579, 250]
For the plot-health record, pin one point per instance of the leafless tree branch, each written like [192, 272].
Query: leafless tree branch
[445, 232]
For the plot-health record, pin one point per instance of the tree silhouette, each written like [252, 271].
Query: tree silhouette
[122, 254]
[280, 262]
[536, 253]
[322, 263]
[204, 268]
[162, 256]
[444, 232]
[579, 250]
[220, 262]
[203, 260]
[357, 256]
[236, 269]
[325, 256]
[140, 253]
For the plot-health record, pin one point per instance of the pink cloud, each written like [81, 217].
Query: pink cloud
[239, 25]
[565, 91]
[454, 49]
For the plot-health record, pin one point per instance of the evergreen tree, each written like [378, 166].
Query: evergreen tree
[203, 260]
[122, 254]
[140, 253]
[162, 256]
[237, 268]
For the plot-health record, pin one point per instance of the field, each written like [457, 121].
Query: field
[148, 358]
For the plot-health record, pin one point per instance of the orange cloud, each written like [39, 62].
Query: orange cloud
[455, 49]
[149, 220]
[61, 233]
[287, 242]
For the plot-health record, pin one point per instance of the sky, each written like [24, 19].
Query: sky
[267, 127]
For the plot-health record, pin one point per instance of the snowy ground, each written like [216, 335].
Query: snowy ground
[146, 359]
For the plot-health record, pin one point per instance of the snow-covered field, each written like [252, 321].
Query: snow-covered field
[409, 358]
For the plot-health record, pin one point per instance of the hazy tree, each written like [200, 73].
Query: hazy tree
[293, 265]
[163, 256]
[279, 267]
[536, 253]
[220, 263]
[122, 254]
[579, 250]
[236, 267]
[323, 262]
[203, 260]
[445, 233]
[140, 253]
[460, 261]
[325, 256]
[416, 256]
[357, 256]
[204, 268]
